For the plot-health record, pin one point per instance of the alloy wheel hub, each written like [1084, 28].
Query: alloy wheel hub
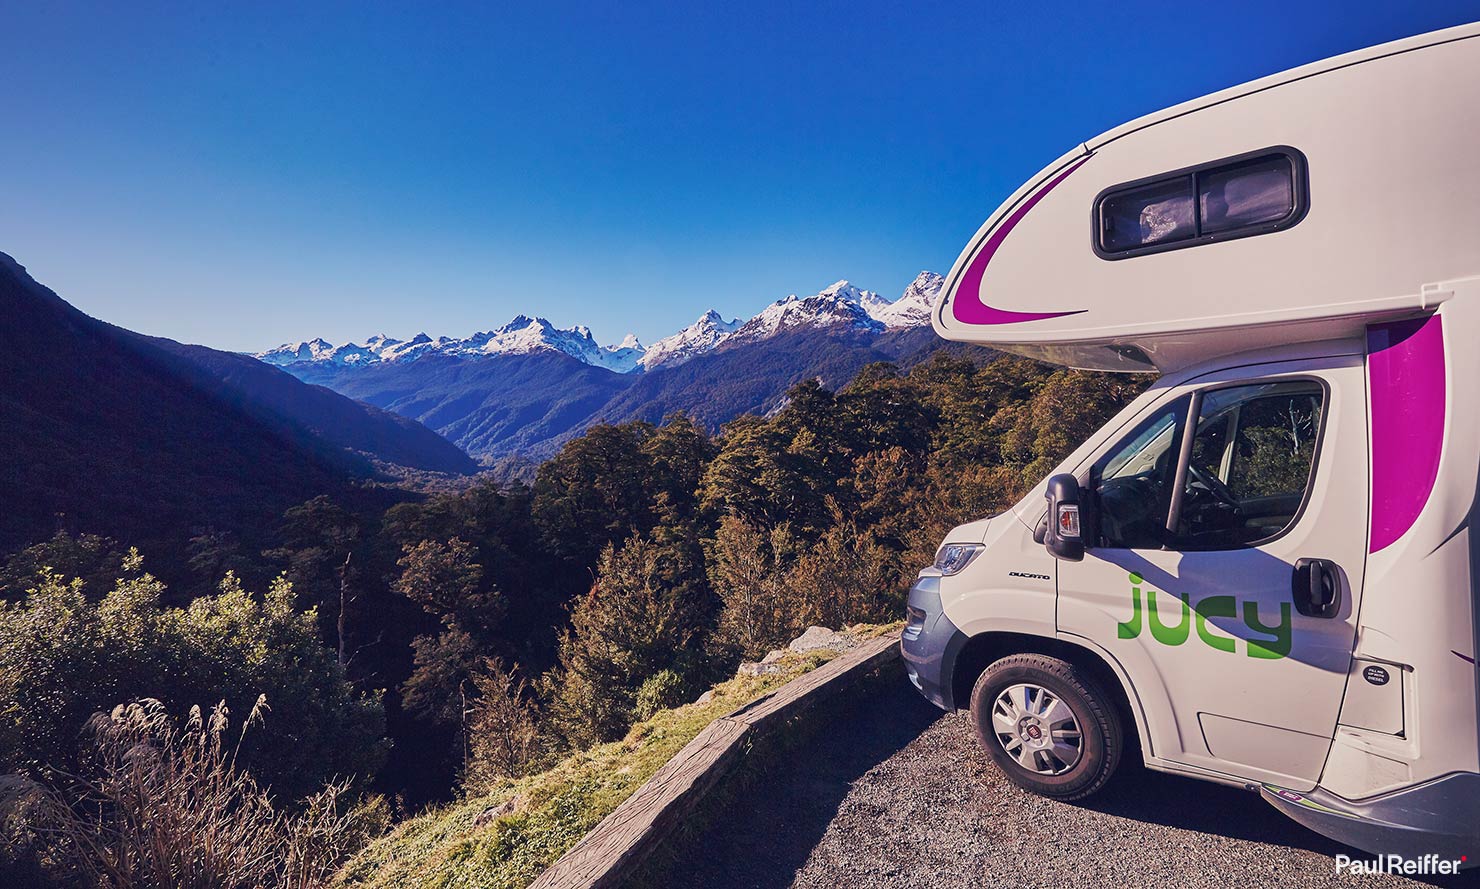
[1037, 729]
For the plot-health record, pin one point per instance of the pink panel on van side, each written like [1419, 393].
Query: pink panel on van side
[969, 308]
[1405, 371]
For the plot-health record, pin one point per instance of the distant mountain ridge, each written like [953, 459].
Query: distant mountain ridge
[840, 304]
[151, 442]
[522, 390]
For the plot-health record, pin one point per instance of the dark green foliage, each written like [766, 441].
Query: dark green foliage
[631, 626]
[91, 558]
[594, 492]
[445, 579]
[704, 550]
[63, 658]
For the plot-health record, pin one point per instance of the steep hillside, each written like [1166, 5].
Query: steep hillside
[317, 415]
[101, 430]
[753, 376]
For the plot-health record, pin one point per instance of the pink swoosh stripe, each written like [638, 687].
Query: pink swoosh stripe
[969, 308]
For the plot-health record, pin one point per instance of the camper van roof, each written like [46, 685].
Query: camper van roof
[1356, 57]
[1296, 207]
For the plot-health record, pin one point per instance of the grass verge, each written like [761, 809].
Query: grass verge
[507, 837]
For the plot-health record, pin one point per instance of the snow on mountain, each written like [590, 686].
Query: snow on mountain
[840, 304]
[520, 336]
[316, 349]
[696, 339]
[914, 307]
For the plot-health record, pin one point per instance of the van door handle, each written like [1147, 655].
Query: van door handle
[1317, 587]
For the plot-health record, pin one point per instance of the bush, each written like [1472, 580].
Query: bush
[503, 736]
[63, 658]
[632, 625]
[847, 577]
[663, 690]
[748, 568]
[155, 806]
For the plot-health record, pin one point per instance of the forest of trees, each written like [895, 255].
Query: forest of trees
[423, 651]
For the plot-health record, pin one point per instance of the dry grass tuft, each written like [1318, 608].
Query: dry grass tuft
[153, 805]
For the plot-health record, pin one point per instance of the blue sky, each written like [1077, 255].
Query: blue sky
[241, 177]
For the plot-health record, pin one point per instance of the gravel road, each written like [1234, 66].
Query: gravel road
[891, 792]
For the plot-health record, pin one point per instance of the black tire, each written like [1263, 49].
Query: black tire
[1102, 735]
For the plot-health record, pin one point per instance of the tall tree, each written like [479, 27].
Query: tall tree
[593, 492]
[749, 569]
[632, 625]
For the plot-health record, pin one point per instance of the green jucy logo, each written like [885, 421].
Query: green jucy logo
[1198, 615]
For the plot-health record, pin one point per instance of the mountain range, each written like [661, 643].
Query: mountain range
[841, 304]
[523, 389]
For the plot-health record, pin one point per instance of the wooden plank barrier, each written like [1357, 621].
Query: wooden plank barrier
[615, 848]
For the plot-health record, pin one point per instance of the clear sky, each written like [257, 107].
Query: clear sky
[249, 176]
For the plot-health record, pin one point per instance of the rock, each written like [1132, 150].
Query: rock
[774, 656]
[822, 639]
[706, 697]
[494, 813]
[752, 669]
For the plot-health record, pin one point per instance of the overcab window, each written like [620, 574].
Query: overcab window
[1251, 194]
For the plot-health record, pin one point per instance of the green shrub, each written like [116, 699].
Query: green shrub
[64, 658]
[663, 690]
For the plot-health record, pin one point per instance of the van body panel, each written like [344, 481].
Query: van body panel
[1008, 588]
[1380, 132]
[1216, 628]
[1418, 615]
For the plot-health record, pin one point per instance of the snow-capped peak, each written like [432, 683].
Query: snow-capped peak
[522, 335]
[839, 304]
[316, 349]
[914, 307]
[696, 339]
[846, 291]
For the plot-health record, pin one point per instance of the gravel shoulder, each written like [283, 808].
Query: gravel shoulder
[891, 792]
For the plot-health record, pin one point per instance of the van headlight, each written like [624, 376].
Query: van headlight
[953, 558]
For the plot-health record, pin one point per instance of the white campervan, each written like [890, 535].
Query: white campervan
[1263, 572]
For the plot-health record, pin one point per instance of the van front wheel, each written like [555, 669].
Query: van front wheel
[1047, 725]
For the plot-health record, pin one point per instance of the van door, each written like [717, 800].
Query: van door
[1225, 572]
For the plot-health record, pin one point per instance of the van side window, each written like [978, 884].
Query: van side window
[1133, 482]
[1251, 463]
[1249, 467]
[1251, 194]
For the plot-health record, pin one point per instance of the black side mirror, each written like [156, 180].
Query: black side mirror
[1064, 536]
